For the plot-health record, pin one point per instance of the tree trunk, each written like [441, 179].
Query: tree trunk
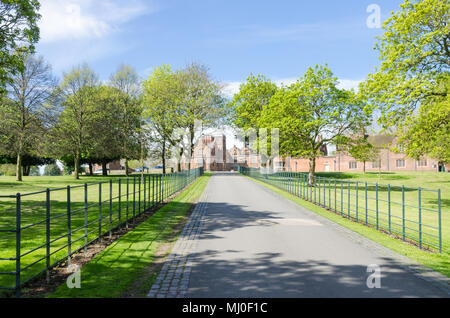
[364, 167]
[19, 167]
[164, 158]
[104, 169]
[312, 171]
[91, 169]
[126, 167]
[26, 170]
[179, 161]
[77, 164]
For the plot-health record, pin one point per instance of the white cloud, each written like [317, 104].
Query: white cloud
[70, 19]
[231, 88]
[349, 84]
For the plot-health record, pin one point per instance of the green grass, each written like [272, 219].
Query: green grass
[435, 261]
[351, 201]
[114, 271]
[33, 210]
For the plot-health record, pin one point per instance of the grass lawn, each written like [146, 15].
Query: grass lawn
[346, 193]
[435, 261]
[116, 269]
[107, 202]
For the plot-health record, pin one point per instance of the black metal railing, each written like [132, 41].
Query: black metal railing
[41, 229]
[409, 213]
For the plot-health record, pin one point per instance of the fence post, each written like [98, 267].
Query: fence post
[128, 202]
[153, 191]
[348, 194]
[389, 207]
[329, 193]
[110, 208]
[357, 199]
[420, 218]
[377, 203]
[139, 196]
[440, 220]
[69, 227]
[120, 202]
[85, 219]
[99, 212]
[145, 193]
[47, 234]
[335, 195]
[365, 194]
[319, 190]
[403, 212]
[342, 197]
[18, 242]
[134, 198]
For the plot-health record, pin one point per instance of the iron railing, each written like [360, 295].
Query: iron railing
[409, 213]
[41, 229]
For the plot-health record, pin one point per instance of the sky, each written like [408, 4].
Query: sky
[279, 39]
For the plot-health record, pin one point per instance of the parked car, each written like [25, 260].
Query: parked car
[139, 169]
[157, 167]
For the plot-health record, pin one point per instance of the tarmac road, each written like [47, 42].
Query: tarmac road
[255, 243]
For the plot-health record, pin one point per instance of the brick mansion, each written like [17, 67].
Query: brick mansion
[212, 153]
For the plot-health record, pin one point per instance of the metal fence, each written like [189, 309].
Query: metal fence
[41, 229]
[409, 213]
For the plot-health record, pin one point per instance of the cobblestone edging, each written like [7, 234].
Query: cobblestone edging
[173, 280]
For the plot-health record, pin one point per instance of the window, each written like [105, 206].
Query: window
[352, 165]
[376, 164]
[422, 163]
[400, 163]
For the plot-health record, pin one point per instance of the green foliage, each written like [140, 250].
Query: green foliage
[52, 170]
[162, 100]
[361, 150]
[72, 134]
[18, 33]
[23, 114]
[428, 132]
[248, 104]
[312, 113]
[7, 170]
[126, 81]
[414, 72]
[34, 171]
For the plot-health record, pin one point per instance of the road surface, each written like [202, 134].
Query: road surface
[255, 243]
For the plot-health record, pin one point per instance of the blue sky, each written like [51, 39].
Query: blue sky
[279, 39]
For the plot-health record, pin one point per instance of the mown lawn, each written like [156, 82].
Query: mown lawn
[105, 203]
[114, 271]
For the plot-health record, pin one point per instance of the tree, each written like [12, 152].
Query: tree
[313, 113]
[249, 103]
[105, 144]
[71, 135]
[126, 81]
[361, 150]
[161, 100]
[201, 101]
[24, 115]
[415, 64]
[34, 171]
[18, 34]
[428, 132]
[52, 170]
